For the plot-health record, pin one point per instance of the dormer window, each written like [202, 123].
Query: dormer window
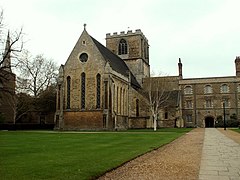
[208, 89]
[224, 88]
[122, 47]
[188, 90]
[238, 88]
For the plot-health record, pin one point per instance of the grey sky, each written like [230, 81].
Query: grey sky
[204, 34]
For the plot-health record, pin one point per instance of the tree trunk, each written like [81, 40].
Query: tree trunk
[155, 123]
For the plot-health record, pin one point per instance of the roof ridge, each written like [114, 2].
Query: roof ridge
[115, 62]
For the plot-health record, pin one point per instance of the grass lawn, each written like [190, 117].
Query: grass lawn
[59, 155]
[236, 130]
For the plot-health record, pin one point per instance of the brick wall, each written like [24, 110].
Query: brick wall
[83, 120]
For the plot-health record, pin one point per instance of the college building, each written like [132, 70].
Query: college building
[107, 87]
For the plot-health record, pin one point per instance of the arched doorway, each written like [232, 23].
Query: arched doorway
[209, 122]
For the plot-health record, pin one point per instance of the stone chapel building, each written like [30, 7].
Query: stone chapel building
[104, 88]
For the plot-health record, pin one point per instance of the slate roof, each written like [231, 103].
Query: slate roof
[116, 62]
[174, 99]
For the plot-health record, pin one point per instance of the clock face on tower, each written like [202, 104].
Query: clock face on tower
[83, 57]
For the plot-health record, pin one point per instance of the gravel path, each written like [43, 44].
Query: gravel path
[178, 160]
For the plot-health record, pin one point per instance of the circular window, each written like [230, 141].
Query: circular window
[83, 57]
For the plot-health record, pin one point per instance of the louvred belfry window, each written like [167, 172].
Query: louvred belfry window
[122, 47]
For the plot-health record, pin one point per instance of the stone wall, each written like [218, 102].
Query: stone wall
[201, 109]
[137, 123]
[83, 120]
[121, 123]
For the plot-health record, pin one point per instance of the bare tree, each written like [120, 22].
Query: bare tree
[25, 104]
[37, 73]
[11, 45]
[158, 91]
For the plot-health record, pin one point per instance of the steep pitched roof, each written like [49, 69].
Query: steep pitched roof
[116, 62]
[173, 100]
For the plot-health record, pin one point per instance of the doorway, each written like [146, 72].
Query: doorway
[209, 122]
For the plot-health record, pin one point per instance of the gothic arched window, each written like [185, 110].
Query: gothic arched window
[68, 91]
[123, 101]
[98, 91]
[58, 97]
[117, 100]
[83, 84]
[166, 115]
[122, 47]
[137, 107]
[120, 104]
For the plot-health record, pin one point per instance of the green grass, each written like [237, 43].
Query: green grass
[56, 155]
[236, 130]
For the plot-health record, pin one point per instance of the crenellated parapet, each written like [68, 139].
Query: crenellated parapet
[125, 34]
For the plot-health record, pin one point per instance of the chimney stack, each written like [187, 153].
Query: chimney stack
[237, 65]
[180, 68]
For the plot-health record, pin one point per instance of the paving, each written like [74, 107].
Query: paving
[220, 157]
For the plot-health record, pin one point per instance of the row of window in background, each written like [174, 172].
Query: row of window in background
[208, 89]
[208, 103]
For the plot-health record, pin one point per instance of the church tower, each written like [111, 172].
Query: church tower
[6, 65]
[133, 48]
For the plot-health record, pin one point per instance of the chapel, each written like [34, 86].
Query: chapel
[107, 88]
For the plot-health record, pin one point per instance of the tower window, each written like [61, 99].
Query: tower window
[122, 47]
[83, 83]
[98, 90]
[68, 91]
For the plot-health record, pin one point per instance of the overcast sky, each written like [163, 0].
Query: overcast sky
[205, 34]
